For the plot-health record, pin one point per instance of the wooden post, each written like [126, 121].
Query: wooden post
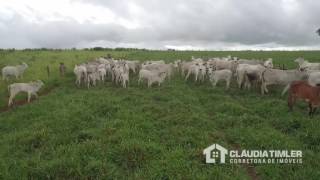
[62, 69]
[48, 71]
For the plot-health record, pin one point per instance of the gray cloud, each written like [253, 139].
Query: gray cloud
[205, 23]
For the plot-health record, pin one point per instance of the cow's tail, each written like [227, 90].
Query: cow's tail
[285, 89]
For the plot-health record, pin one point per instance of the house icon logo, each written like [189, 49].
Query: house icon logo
[215, 151]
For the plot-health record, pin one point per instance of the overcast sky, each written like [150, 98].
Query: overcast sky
[160, 24]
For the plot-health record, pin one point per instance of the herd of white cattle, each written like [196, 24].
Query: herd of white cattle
[246, 72]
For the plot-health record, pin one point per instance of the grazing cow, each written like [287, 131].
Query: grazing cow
[302, 90]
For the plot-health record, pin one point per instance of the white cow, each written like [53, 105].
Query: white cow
[31, 88]
[168, 68]
[244, 71]
[102, 73]
[280, 77]
[151, 76]
[92, 79]
[220, 64]
[133, 65]
[251, 72]
[216, 76]
[195, 69]
[185, 67]
[16, 71]
[305, 65]
[81, 74]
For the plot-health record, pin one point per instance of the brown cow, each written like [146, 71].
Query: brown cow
[302, 90]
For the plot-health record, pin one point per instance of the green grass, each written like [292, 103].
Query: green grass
[109, 132]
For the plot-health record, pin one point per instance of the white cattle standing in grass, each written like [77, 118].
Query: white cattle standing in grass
[225, 64]
[195, 69]
[280, 77]
[216, 76]
[92, 79]
[31, 88]
[92, 67]
[123, 74]
[124, 79]
[185, 67]
[102, 74]
[81, 74]
[245, 70]
[305, 65]
[254, 71]
[120, 73]
[151, 77]
[168, 68]
[133, 65]
[16, 71]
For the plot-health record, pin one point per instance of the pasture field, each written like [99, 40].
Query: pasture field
[109, 132]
